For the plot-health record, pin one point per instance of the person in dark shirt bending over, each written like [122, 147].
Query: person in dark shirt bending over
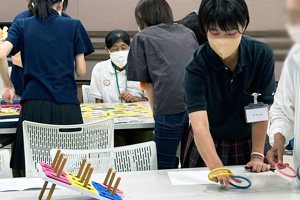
[219, 82]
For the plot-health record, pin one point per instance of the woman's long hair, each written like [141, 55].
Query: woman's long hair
[42, 8]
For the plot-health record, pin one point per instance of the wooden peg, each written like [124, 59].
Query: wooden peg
[81, 168]
[58, 162]
[107, 176]
[61, 167]
[43, 190]
[87, 180]
[85, 172]
[56, 158]
[111, 181]
[51, 192]
[115, 187]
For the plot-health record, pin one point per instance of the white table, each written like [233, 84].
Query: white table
[156, 185]
[11, 130]
[145, 123]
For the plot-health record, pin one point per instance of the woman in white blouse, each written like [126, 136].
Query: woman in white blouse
[285, 112]
[109, 78]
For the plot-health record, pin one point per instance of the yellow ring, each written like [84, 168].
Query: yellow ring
[229, 173]
[218, 175]
[218, 169]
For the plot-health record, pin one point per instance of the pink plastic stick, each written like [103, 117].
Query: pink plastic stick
[287, 166]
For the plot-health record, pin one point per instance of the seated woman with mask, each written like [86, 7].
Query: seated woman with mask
[109, 78]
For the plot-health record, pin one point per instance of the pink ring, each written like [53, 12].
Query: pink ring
[287, 166]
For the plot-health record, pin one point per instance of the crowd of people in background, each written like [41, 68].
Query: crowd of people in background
[198, 75]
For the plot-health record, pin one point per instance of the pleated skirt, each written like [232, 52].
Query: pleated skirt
[46, 112]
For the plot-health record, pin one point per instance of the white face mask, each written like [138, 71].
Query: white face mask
[119, 58]
[294, 32]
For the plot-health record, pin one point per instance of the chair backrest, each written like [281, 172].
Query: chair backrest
[39, 139]
[4, 164]
[85, 94]
[138, 157]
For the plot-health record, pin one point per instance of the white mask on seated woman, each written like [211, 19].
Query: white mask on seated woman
[119, 58]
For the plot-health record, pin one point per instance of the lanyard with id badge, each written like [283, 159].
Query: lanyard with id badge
[257, 111]
[117, 79]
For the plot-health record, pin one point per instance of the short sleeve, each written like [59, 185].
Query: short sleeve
[266, 84]
[194, 87]
[137, 62]
[14, 37]
[95, 86]
[83, 42]
[135, 89]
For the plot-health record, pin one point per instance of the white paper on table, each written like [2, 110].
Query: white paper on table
[22, 184]
[190, 178]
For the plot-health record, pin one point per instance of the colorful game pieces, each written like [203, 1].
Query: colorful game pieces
[49, 172]
[76, 182]
[81, 182]
[104, 189]
[104, 184]
[57, 167]
[118, 191]
[102, 192]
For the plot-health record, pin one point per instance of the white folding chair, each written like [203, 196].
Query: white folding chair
[137, 157]
[85, 94]
[39, 139]
[4, 164]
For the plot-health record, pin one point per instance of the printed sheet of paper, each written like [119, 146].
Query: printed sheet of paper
[189, 178]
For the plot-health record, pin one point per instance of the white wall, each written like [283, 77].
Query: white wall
[111, 14]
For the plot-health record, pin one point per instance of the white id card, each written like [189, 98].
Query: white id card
[257, 113]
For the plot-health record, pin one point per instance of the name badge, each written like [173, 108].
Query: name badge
[256, 114]
[257, 111]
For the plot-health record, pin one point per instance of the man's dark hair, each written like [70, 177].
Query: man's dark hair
[227, 14]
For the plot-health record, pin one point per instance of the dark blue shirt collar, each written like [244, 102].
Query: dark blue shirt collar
[245, 56]
[53, 12]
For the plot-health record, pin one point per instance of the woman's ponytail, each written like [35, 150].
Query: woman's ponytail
[42, 8]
